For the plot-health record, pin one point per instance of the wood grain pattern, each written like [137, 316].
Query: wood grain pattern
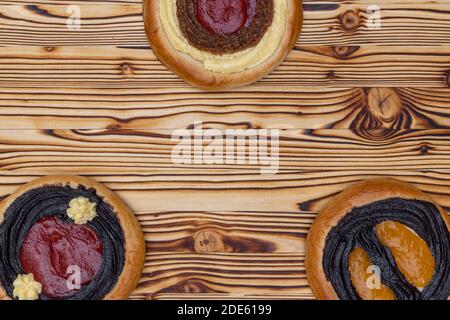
[138, 165]
[172, 108]
[133, 67]
[235, 274]
[146, 152]
[352, 103]
[44, 24]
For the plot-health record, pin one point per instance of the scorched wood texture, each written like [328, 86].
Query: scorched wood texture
[351, 103]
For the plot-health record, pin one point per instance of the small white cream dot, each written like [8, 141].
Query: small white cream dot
[81, 210]
[26, 288]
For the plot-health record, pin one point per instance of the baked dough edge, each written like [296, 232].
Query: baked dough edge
[356, 195]
[192, 70]
[133, 235]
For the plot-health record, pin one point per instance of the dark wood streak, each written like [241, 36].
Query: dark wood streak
[326, 23]
[137, 164]
[103, 67]
[298, 108]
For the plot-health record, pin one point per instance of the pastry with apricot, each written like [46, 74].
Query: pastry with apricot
[380, 240]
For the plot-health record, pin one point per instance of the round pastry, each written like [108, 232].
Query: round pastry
[380, 240]
[68, 237]
[217, 44]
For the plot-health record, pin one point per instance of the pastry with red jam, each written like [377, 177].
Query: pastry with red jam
[218, 44]
[71, 238]
[380, 239]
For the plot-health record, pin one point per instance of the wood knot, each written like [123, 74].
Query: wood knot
[126, 69]
[49, 48]
[384, 104]
[208, 241]
[188, 286]
[447, 76]
[344, 51]
[114, 126]
[379, 134]
[424, 149]
[191, 287]
[331, 75]
[350, 20]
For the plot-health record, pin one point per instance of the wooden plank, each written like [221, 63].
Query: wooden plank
[304, 294]
[235, 274]
[223, 253]
[138, 166]
[253, 107]
[190, 294]
[213, 190]
[226, 232]
[243, 191]
[145, 153]
[329, 66]
[325, 23]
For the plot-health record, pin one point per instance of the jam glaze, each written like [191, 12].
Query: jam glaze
[223, 17]
[52, 246]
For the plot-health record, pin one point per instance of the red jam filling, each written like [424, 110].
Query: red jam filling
[225, 16]
[52, 246]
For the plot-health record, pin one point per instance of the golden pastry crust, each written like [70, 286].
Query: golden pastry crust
[193, 71]
[134, 238]
[357, 195]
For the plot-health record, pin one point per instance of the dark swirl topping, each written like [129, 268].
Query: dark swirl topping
[227, 26]
[357, 230]
[44, 203]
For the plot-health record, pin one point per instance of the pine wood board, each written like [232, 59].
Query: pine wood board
[351, 103]
[315, 165]
[147, 152]
[289, 107]
[325, 23]
[365, 66]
